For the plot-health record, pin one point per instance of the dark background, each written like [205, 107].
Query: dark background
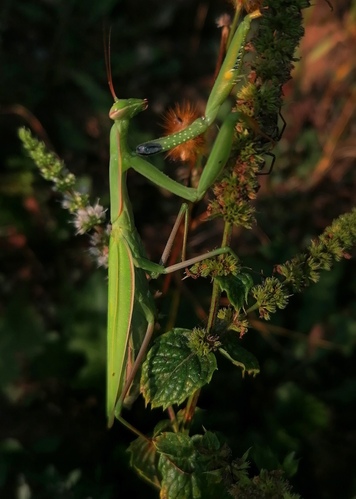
[53, 439]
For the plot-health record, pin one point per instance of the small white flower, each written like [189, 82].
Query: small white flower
[81, 220]
[86, 218]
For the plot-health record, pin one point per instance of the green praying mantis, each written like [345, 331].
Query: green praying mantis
[131, 307]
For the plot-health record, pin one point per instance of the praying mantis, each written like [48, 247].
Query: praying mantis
[131, 307]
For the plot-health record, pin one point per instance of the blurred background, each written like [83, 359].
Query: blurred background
[53, 437]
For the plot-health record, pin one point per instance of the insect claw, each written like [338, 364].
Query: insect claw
[148, 148]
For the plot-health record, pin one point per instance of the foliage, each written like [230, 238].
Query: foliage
[54, 441]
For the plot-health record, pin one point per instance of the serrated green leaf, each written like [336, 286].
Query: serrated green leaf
[238, 355]
[176, 484]
[187, 467]
[209, 441]
[179, 447]
[172, 371]
[144, 460]
[236, 288]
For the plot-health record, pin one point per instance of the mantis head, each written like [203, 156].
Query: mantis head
[122, 109]
[125, 109]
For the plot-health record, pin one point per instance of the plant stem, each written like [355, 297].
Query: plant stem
[190, 410]
[173, 419]
[132, 428]
[216, 292]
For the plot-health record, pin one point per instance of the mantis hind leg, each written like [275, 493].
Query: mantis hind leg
[129, 393]
[184, 212]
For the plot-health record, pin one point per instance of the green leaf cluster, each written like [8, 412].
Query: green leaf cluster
[202, 467]
[332, 245]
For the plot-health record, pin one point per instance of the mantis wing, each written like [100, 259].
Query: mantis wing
[120, 307]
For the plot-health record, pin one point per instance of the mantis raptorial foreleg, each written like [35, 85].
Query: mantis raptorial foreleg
[227, 78]
[218, 157]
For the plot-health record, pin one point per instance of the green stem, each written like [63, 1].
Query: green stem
[190, 410]
[216, 292]
[173, 419]
[214, 304]
[132, 428]
[252, 308]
